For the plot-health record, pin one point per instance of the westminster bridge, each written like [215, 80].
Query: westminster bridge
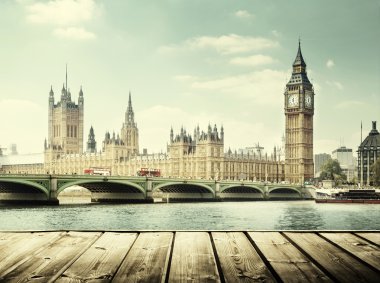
[45, 189]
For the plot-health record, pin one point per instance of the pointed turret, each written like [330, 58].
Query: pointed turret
[51, 97]
[63, 92]
[129, 114]
[299, 75]
[81, 97]
[171, 135]
[91, 143]
[68, 95]
[299, 61]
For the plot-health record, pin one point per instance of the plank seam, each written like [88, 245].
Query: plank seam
[217, 261]
[121, 262]
[365, 239]
[170, 259]
[309, 257]
[349, 253]
[74, 259]
[264, 259]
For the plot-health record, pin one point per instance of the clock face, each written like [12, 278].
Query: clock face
[293, 100]
[308, 101]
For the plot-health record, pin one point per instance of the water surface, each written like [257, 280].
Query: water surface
[259, 215]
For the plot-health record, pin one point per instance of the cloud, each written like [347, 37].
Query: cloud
[73, 33]
[243, 14]
[61, 12]
[254, 60]
[225, 44]
[330, 63]
[264, 87]
[67, 16]
[336, 84]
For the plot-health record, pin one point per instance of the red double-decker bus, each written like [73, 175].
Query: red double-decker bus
[149, 172]
[97, 171]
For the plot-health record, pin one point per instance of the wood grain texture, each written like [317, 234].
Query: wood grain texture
[9, 238]
[288, 262]
[374, 237]
[338, 263]
[148, 259]
[193, 259]
[189, 256]
[20, 247]
[356, 246]
[51, 261]
[100, 262]
[239, 260]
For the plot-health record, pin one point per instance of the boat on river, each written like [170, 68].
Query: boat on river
[351, 196]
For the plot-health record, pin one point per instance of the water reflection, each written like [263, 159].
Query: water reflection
[300, 218]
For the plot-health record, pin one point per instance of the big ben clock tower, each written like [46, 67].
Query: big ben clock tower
[299, 111]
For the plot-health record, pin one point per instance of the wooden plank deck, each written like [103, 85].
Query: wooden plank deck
[239, 256]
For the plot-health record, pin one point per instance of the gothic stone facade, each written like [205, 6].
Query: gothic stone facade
[201, 155]
[299, 111]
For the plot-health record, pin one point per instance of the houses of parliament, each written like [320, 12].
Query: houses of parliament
[200, 155]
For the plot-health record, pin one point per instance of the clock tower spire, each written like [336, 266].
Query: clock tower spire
[299, 111]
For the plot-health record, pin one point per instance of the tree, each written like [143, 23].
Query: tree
[375, 173]
[331, 170]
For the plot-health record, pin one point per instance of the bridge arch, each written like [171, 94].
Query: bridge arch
[183, 184]
[231, 188]
[183, 191]
[26, 184]
[91, 183]
[284, 192]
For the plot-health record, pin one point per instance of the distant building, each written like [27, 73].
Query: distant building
[319, 160]
[368, 153]
[346, 160]
[13, 148]
[32, 163]
[65, 125]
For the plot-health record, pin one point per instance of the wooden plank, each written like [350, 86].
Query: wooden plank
[100, 262]
[337, 262]
[193, 259]
[51, 261]
[358, 247]
[239, 260]
[371, 236]
[23, 246]
[148, 259]
[10, 238]
[288, 262]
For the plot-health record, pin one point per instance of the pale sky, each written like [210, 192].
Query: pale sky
[188, 63]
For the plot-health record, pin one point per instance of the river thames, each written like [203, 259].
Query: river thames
[260, 215]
